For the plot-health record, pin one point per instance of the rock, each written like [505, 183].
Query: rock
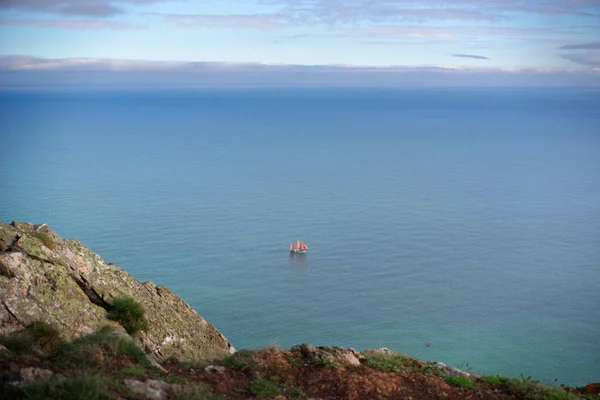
[33, 374]
[451, 371]
[385, 350]
[338, 355]
[150, 389]
[62, 282]
[214, 368]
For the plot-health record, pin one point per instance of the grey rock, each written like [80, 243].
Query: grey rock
[339, 355]
[451, 371]
[64, 283]
[150, 389]
[33, 374]
[214, 368]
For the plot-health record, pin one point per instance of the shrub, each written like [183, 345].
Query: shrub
[264, 388]
[243, 360]
[294, 361]
[460, 381]
[527, 388]
[129, 313]
[36, 338]
[93, 350]
[71, 387]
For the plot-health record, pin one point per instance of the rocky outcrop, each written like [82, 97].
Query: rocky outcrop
[323, 354]
[62, 282]
[150, 389]
[451, 371]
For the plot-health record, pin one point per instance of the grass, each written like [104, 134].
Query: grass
[326, 362]
[70, 387]
[383, 365]
[243, 360]
[129, 313]
[37, 338]
[93, 350]
[459, 381]
[176, 380]
[529, 389]
[297, 393]
[391, 361]
[194, 391]
[294, 361]
[264, 388]
[431, 369]
[492, 379]
[132, 370]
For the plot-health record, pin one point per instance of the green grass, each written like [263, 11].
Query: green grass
[493, 379]
[176, 380]
[297, 393]
[529, 389]
[384, 365]
[132, 370]
[194, 391]
[242, 360]
[264, 388]
[294, 361]
[93, 350]
[326, 362]
[129, 313]
[460, 381]
[390, 361]
[431, 369]
[70, 387]
[37, 338]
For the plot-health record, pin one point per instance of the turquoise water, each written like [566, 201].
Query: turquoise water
[467, 219]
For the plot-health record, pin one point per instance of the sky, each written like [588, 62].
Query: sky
[285, 42]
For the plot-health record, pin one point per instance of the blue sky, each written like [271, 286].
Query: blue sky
[557, 40]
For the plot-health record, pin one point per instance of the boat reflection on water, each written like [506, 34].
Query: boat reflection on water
[298, 259]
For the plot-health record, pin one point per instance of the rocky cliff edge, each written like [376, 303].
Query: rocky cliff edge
[62, 282]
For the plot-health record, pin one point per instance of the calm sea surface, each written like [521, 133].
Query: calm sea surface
[467, 219]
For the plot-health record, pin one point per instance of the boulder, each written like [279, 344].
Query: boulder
[339, 355]
[64, 283]
[150, 389]
[214, 369]
[34, 374]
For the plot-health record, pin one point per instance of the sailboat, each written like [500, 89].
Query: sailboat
[300, 248]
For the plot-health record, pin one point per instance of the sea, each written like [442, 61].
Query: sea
[459, 225]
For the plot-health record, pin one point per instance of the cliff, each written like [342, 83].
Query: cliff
[57, 342]
[62, 282]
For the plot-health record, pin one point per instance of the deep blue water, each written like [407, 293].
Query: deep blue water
[466, 218]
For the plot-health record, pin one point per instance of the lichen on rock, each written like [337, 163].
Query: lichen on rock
[62, 282]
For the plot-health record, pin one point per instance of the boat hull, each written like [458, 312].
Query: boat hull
[298, 252]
